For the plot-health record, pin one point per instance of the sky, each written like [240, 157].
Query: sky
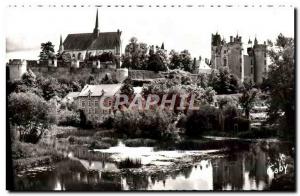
[179, 28]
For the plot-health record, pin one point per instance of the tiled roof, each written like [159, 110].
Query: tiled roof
[107, 40]
[84, 41]
[99, 90]
[80, 41]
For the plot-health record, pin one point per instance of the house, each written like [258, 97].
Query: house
[96, 100]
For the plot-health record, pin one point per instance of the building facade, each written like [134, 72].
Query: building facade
[227, 54]
[251, 66]
[94, 100]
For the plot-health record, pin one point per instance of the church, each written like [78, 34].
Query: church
[81, 46]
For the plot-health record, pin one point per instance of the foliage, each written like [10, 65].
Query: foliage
[47, 51]
[137, 142]
[146, 124]
[177, 84]
[68, 118]
[280, 84]
[135, 56]
[156, 63]
[30, 114]
[199, 121]
[182, 60]
[223, 82]
[130, 163]
[247, 101]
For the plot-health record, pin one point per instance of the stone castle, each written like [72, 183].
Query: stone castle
[251, 66]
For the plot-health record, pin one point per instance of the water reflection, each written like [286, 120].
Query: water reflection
[247, 170]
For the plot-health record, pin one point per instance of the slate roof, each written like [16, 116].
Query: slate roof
[99, 90]
[86, 41]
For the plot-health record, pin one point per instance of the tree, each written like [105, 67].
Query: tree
[223, 81]
[135, 56]
[47, 51]
[247, 101]
[31, 115]
[280, 83]
[181, 61]
[155, 63]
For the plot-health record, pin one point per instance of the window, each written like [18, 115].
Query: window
[95, 111]
[265, 62]
[89, 103]
[251, 63]
[83, 104]
[251, 71]
[265, 54]
[225, 62]
[96, 103]
[225, 51]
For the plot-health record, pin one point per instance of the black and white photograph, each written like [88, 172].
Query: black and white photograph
[148, 97]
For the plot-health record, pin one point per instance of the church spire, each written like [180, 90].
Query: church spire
[96, 29]
[61, 46]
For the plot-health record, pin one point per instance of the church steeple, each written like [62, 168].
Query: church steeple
[96, 29]
[61, 46]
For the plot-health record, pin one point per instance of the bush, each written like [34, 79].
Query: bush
[103, 133]
[111, 141]
[99, 145]
[68, 118]
[27, 150]
[130, 163]
[146, 124]
[204, 119]
[137, 142]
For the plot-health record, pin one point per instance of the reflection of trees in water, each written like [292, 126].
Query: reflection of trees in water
[71, 175]
[143, 181]
[228, 171]
[137, 181]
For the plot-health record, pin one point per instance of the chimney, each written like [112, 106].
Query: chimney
[231, 38]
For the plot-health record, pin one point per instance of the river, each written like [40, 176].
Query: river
[248, 169]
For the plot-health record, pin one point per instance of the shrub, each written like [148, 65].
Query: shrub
[99, 145]
[68, 118]
[31, 114]
[146, 124]
[204, 119]
[111, 141]
[130, 163]
[137, 142]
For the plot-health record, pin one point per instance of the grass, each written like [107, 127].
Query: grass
[130, 163]
[27, 155]
[64, 132]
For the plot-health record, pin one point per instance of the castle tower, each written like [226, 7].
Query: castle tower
[260, 61]
[216, 46]
[96, 29]
[17, 68]
[61, 46]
